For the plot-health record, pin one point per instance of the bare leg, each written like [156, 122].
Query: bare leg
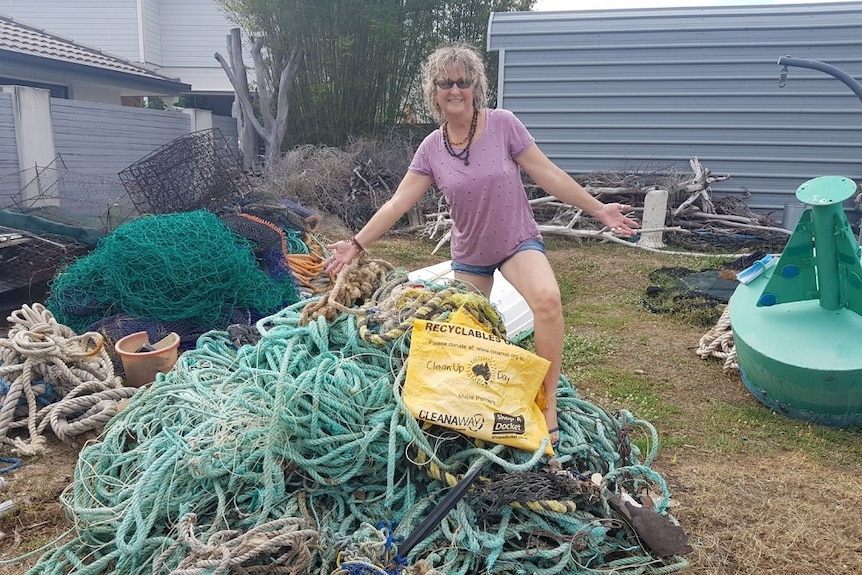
[531, 274]
[479, 283]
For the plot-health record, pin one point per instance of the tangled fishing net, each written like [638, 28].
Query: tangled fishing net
[296, 455]
[185, 267]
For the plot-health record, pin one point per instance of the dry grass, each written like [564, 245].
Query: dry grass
[773, 514]
[757, 493]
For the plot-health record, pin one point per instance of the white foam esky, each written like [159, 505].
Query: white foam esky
[544, 5]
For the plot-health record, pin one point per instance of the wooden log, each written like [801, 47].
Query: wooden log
[733, 225]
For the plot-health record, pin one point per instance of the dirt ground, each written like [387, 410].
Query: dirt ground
[756, 494]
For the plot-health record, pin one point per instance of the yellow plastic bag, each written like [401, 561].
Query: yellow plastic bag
[461, 377]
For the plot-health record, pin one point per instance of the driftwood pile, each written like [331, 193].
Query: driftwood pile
[694, 219]
[352, 184]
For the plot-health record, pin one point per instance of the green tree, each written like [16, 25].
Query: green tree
[360, 58]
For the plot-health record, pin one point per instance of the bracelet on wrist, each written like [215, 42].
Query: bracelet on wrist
[355, 243]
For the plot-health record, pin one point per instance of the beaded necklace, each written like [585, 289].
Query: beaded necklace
[465, 153]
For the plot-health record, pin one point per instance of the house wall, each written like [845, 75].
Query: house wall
[192, 32]
[93, 143]
[651, 88]
[77, 86]
[110, 25]
[177, 37]
[152, 36]
[95, 93]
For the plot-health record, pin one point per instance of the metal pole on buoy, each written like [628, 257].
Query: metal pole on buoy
[826, 197]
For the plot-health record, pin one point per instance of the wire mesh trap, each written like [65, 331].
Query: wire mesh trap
[197, 170]
[34, 259]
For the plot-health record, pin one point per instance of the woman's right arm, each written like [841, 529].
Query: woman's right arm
[411, 189]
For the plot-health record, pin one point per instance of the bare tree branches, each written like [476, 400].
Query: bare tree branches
[274, 118]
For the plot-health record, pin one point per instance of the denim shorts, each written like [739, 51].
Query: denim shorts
[532, 244]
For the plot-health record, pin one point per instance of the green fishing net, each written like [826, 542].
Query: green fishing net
[185, 266]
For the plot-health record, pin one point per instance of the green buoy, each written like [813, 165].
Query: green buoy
[797, 328]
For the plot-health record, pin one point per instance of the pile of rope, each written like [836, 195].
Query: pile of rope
[49, 376]
[718, 343]
[281, 234]
[174, 267]
[388, 303]
[297, 455]
[355, 284]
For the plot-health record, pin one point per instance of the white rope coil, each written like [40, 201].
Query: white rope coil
[718, 342]
[42, 358]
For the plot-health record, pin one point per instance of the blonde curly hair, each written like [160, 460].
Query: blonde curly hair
[456, 55]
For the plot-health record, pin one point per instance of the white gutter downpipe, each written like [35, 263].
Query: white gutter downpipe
[142, 32]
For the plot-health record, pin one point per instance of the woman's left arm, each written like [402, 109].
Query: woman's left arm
[562, 186]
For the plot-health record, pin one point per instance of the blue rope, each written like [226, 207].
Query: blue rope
[14, 463]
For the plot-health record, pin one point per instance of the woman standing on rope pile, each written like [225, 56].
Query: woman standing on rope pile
[475, 159]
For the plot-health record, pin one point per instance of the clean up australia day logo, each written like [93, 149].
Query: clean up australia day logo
[482, 371]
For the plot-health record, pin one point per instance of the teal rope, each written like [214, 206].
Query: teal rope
[309, 423]
[295, 242]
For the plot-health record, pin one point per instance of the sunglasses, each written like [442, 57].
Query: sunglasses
[447, 83]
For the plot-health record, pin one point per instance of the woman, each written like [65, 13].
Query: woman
[475, 158]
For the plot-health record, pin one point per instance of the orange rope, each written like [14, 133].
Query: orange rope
[274, 228]
[305, 267]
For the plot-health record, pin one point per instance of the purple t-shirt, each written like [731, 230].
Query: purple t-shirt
[487, 201]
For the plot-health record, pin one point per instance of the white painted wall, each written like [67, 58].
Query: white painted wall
[109, 25]
[199, 119]
[176, 37]
[192, 31]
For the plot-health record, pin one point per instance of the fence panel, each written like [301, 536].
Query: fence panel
[99, 141]
[9, 180]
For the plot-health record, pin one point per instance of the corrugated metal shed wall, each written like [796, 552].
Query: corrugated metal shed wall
[648, 88]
